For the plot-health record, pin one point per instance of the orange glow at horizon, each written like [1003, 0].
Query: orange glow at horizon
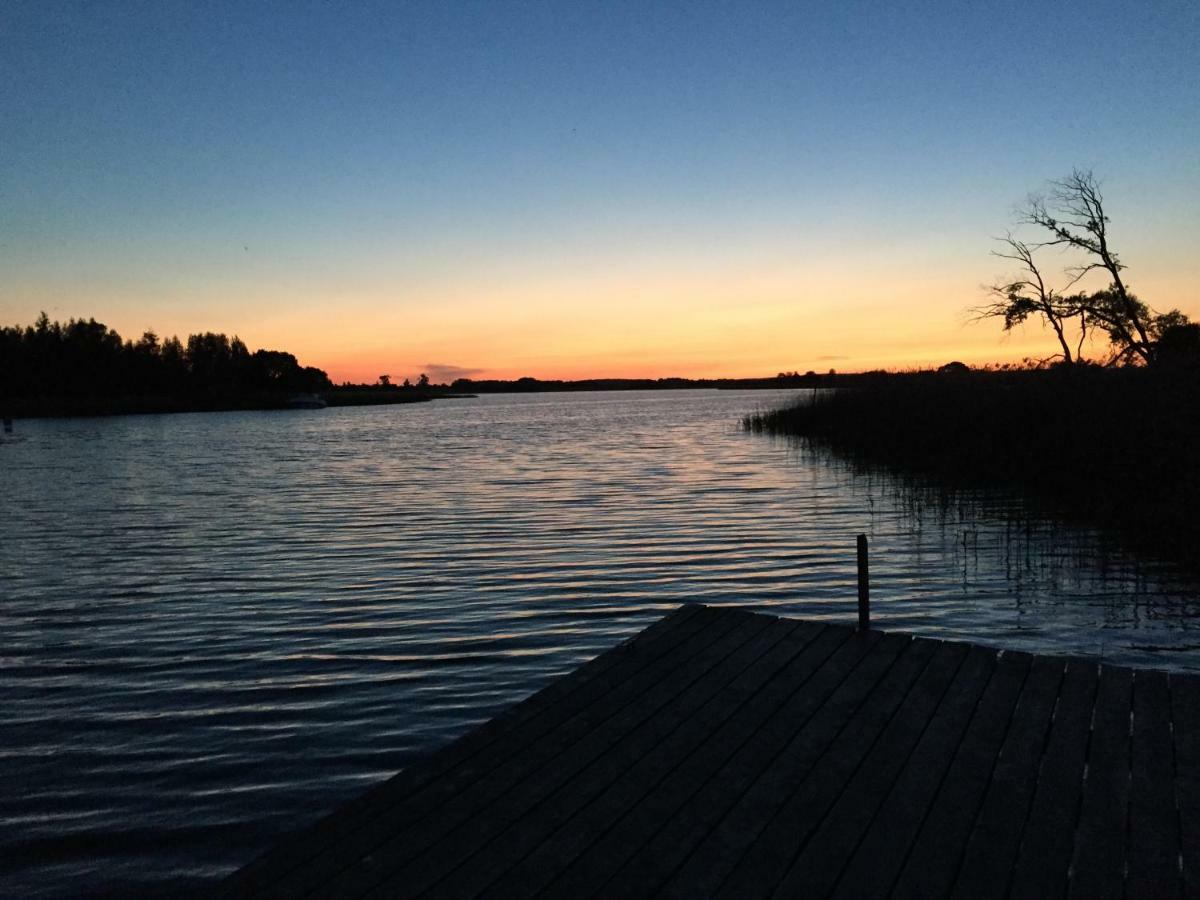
[731, 327]
[733, 318]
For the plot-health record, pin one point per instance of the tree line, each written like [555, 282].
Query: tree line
[84, 359]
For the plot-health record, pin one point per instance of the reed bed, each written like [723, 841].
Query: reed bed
[1114, 448]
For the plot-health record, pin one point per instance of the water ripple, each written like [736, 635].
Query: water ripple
[217, 626]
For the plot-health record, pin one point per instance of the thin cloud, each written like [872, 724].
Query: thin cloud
[443, 373]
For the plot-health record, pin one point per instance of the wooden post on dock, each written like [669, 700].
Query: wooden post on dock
[864, 587]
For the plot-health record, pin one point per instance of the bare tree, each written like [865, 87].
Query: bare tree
[1029, 295]
[1073, 214]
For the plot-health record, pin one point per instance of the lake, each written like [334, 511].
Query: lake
[217, 626]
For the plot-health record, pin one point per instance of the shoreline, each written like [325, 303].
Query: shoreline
[86, 408]
[92, 408]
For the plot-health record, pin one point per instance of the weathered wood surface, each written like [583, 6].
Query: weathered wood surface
[727, 753]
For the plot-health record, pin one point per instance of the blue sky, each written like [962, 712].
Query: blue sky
[285, 169]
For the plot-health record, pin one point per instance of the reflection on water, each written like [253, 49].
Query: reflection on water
[216, 626]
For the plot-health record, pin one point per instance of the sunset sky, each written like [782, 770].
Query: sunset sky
[575, 190]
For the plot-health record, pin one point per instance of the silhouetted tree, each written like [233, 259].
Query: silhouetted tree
[385, 380]
[423, 381]
[173, 372]
[1073, 215]
[1179, 345]
[209, 361]
[1016, 300]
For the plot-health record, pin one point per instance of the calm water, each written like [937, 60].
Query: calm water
[216, 626]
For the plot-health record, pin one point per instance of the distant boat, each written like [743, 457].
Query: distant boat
[305, 401]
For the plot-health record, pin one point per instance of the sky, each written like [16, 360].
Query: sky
[571, 190]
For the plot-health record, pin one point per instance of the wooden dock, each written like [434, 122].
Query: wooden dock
[726, 753]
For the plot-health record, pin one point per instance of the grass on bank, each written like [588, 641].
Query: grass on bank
[1112, 447]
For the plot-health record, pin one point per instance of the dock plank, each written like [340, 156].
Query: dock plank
[1048, 839]
[1154, 847]
[725, 752]
[1098, 866]
[702, 828]
[934, 858]
[834, 761]
[995, 840]
[883, 849]
[627, 771]
[646, 794]
[821, 847]
[1185, 710]
[721, 852]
